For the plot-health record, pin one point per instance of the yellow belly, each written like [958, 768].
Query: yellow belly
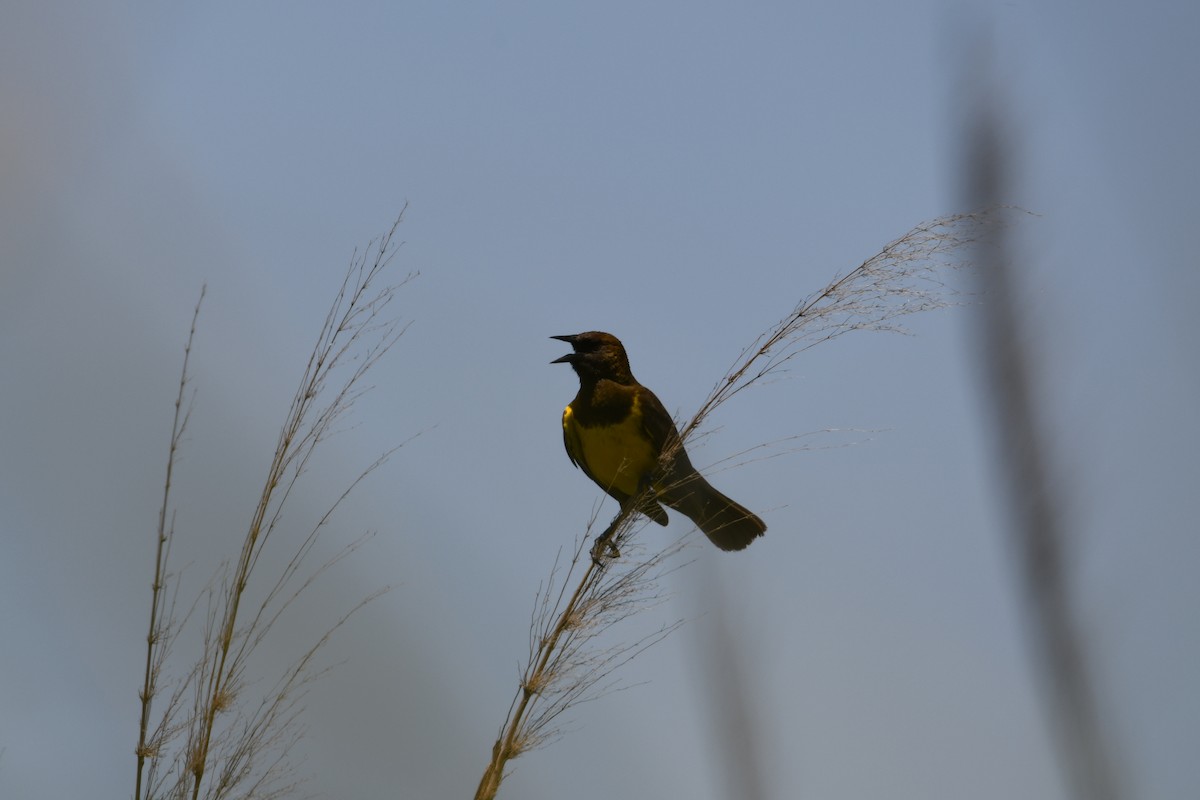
[617, 456]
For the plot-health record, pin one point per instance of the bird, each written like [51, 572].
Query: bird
[620, 434]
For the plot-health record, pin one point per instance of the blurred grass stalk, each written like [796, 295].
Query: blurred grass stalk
[565, 665]
[1038, 536]
[222, 745]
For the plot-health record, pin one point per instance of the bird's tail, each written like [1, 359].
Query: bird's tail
[727, 524]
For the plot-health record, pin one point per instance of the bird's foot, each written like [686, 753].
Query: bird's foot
[603, 544]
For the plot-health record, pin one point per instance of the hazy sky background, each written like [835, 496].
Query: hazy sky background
[679, 174]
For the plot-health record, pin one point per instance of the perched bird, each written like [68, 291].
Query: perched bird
[617, 431]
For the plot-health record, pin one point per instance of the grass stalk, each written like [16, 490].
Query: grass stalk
[227, 747]
[155, 635]
[563, 668]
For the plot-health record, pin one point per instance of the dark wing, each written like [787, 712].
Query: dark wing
[660, 428]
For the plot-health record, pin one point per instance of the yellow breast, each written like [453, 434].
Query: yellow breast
[616, 456]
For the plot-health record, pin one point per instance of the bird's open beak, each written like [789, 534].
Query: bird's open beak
[569, 357]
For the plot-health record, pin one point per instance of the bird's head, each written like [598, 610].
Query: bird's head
[596, 355]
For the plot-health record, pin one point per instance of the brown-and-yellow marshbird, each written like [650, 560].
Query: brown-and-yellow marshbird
[617, 432]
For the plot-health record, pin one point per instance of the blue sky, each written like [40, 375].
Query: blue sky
[680, 175]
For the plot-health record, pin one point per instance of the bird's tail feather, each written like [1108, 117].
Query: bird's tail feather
[729, 525]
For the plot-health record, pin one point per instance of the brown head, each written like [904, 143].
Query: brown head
[597, 356]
